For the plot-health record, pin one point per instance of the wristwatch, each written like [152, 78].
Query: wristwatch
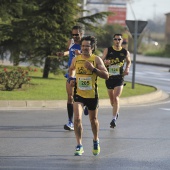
[94, 70]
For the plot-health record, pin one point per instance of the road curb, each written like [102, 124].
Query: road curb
[158, 95]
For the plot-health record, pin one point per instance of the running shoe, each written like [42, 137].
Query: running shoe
[79, 150]
[96, 147]
[86, 111]
[113, 123]
[69, 126]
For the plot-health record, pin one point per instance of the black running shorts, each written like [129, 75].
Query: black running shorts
[113, 82]
[91, 103]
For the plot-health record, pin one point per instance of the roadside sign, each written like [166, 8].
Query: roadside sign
[140, 27]
[135, 28]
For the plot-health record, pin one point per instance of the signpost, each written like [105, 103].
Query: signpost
[135, 27]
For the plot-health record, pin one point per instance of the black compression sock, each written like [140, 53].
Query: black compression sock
[70, 111]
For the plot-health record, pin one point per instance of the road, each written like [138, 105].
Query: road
[36, 140]
[152, 75]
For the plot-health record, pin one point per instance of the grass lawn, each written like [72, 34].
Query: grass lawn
[53, 88]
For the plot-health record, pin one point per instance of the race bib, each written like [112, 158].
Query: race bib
[85, 83]
[114, 70]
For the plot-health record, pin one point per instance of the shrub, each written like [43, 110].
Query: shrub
[13, 79]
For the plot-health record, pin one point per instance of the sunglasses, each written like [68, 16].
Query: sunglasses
[75, 35]
[117, 39]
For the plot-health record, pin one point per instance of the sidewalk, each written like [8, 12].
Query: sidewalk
[158, 61]
[142, 99]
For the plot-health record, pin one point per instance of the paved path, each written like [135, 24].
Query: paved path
[36, 140]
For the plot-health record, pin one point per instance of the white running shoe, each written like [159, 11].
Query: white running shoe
[69, 126]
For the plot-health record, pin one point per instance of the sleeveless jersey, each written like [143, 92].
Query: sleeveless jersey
[117, 60]
[125, 36]
[86, 81]
[72, 49]
[71, 43]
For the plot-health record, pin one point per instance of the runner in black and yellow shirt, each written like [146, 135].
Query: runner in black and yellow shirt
[114, 58]
[86, 68]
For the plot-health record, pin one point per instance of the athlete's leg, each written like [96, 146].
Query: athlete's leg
[111, 97]
[93, 116]
[69, 125]
[114, 95]
[78, 127]
[69, 90]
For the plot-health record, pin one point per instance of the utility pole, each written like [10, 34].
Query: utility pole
[134, 53]
[135, 46]
[135, 28]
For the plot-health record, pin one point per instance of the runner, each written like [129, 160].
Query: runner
[86, 68]
[73, 49]
[114, 58]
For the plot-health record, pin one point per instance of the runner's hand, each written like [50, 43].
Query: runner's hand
[77, 52]
[89, 65]
[60, 54]
[107, 62]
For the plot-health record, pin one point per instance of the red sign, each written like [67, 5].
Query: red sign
[119, 16]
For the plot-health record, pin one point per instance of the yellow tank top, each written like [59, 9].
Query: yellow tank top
[86, 81]
[125, 36]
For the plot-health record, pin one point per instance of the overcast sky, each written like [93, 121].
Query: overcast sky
[148, 9]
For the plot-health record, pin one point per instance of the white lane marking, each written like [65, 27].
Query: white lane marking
[167, 109]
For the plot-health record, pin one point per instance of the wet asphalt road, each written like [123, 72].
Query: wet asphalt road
[36, 140]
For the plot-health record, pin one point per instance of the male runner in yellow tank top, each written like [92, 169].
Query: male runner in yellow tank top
[86, 68]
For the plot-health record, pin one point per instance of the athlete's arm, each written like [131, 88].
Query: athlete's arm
[100, 69]
[64, 53]
[72, 72]
[104, 54]
[72, 68]
[61, 54]
[106, 62]
[77, 52]
[128, 63]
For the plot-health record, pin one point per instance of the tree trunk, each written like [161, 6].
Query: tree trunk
[15, 58]
[46, 67]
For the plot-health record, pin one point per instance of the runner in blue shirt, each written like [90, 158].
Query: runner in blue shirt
[73, 49]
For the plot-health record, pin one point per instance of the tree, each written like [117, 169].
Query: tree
[106, 39]
[40, 28]
[33, 29]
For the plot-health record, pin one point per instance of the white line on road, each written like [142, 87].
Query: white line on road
[167, 109]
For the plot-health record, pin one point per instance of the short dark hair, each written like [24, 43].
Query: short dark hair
[77, 27]
[93, 42]
[117, 34]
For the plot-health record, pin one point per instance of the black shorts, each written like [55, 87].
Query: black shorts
[113, 82]
[91, 103]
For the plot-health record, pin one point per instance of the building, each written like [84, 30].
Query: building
[118, 7]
